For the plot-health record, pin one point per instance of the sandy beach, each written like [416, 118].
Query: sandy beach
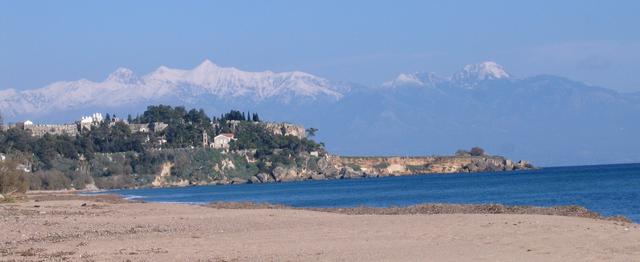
[46, 227]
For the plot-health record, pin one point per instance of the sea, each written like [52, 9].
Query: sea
[607, 189]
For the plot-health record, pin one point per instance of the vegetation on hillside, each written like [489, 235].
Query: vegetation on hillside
[110, 155]
[475, 151]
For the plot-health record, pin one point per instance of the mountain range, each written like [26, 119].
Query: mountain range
[547, 119]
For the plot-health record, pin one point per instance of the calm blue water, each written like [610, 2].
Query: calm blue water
[608, 189]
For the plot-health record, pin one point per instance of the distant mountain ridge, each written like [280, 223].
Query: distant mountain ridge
[547, 119]
[124, 87]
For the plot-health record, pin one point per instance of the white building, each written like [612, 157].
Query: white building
[139, 128]
[86, 122]
[95, 118]
[222, 141]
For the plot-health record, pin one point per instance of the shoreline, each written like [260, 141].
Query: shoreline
[250, 181]
[67, 226]
[437, 209]
[426, 208]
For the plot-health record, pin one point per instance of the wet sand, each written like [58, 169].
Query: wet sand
[67, 227]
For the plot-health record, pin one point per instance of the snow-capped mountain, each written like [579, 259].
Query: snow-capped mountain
[488, 70]
[232, 82]
[414, 79]
[467, 77]
[124, 87]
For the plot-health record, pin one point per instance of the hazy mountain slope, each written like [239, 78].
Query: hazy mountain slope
[548, 119]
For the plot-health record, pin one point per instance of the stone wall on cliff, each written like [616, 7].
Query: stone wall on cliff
[286, 129]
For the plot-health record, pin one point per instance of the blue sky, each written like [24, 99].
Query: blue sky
[361, 41]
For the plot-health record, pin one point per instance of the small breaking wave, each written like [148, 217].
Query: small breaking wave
[133, 197]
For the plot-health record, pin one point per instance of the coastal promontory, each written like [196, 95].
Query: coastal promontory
[169, 146]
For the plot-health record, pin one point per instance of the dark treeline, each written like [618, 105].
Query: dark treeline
[238, 116]
[175, 115]
[185, 127]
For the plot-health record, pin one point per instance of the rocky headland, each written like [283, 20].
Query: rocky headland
[309, 167]
[169, 146]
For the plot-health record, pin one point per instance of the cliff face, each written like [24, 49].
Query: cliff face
[204, 167]
[163, 179]
[337, 167]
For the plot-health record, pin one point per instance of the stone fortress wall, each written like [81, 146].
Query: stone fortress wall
[39, 130]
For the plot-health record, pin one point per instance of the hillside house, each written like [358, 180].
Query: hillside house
[222, 141]
[139, 128]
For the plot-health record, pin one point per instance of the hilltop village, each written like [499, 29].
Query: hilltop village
[173, 146]
[219, 141]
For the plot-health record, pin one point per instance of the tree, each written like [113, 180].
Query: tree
[233, 115]
[477, 151]
[311, 132]
[12, 179]
[462, 152]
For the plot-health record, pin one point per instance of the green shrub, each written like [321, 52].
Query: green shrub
[50, 180]
[11, 178]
